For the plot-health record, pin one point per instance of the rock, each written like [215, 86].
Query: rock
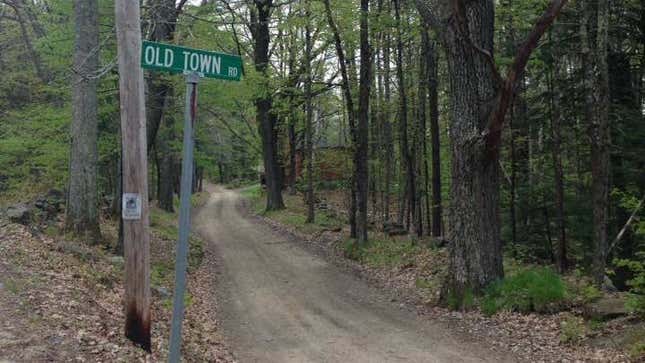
[19, 213]
[608, 285]
[608, 307]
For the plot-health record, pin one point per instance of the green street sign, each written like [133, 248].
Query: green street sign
[175, 59]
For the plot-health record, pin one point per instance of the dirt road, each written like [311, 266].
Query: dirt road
[281, 303]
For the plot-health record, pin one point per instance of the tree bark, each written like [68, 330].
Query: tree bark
[597, 101]
[424, 63]
[433, 88]
[309, 118]
[261, 14]
[479, 101]
[344, 64]
[361, 150]
[558, 175]
[82, 216]
[406, 155]
[387, 127]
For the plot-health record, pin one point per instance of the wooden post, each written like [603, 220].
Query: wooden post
[136, 236]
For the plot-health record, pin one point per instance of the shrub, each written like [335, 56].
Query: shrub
[572, 329]
[636, 300]
[351, 250]
[534, 289]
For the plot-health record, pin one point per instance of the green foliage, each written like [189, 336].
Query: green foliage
[34, 151]
[464, 301]
[590, 293]
[161, 273]
[532, 289]
[351, 250]
[636, 299]
[389, 253]
[252, 192]
[572, 329]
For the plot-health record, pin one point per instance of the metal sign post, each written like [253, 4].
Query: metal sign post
[181, 258]
[194, 64]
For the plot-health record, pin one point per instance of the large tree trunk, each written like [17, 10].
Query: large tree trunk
[433, 89]
[597, 101]
[406, 155]
[160, 92]
[474, 228]
[82, 210]
[263, 105]
[361, 149]
[309, 119]
[387, 127]
[479, 100]
[424, 59]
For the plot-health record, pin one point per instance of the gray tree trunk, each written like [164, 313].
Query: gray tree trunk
[82, 216]
[309, 118]
[260, 17]
[474, 228]
[433, 90]
[362, 132]
[597, 105]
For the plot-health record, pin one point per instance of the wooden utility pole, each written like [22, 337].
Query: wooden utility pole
[136, 234]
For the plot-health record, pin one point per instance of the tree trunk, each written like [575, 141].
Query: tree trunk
[308, 119]
[82, 216]
[600, 144]
[344, 64]
[406, 155]
[387, 127]
[474, 229]
[361, 150]
[424, 61]
[433, 88]
[292, 150]
[558, 176]
[164, 20]
[167, 172]
[263, 104]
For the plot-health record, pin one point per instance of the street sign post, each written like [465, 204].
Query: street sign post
[194, 64]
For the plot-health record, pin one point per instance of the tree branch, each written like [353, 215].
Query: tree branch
[513, 76]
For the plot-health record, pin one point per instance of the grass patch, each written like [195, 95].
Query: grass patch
[385, 252]
[13, 286]
[161, 273]
[252, 192]
[294, 214]
[199, 199]
[531, 289]
[164, 224]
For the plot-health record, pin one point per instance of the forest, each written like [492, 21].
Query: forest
[506, 136]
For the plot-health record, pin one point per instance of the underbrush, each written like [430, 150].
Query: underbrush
[537, 289]
[295, 212]
[383, 252]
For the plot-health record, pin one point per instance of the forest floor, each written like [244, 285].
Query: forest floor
[61, 300]
[411, 274]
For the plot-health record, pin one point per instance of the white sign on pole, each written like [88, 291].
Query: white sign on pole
[131, 207]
